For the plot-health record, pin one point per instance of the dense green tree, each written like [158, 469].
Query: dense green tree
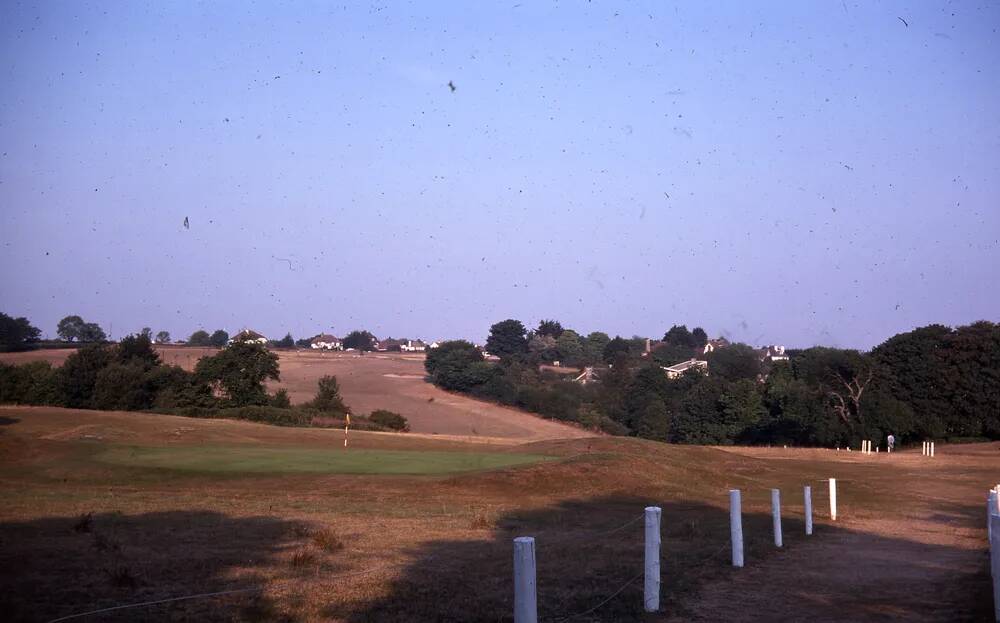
[735, 362]
[33, 383]
[147, 333]
[570, 348]
[163, 337]
[678, 335]
[450, 366]
[542, 348]
[841, 376]
[328, 397]
[304, 343]
[616, 348]
[742, 408]
[239, 372]
[74, 329]
[78, 374]
[123, 386]
[16, 333]
[219, 338]
[551, 328]
[699, 337]
[593, 347]
[671, 354]
[285, 342]
[69, 328]
[199, 338]
[136, 349]
[653, 420]
[360, 340]
[508, 338]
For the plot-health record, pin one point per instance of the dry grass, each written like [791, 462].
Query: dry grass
[375, 381]
[327, 540]
[440, 546]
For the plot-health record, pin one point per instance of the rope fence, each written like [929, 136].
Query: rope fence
[525, 585]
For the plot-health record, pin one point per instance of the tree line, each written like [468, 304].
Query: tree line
[131, 376]
[933, 382]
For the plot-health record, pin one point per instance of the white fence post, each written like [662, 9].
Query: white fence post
[991, 509]
[932, 449]
[776, 515]
[651, 589]
[525, 597]
[833, 499]
[809, 510]
[736, 526]
[995, 563]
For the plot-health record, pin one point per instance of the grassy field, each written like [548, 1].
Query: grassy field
[392, 381]
[103, 509]
[329, 461]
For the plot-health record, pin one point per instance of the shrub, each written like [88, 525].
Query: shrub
[328, 397]
[390, 420]
[280, 399]
[77, 377]
[122, 386]
[32, 383]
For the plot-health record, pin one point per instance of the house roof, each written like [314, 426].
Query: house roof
[324, 337]
[686, 365]
[247, 334]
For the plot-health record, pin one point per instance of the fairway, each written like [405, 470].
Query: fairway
[259, 460]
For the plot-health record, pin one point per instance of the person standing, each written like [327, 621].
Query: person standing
[891, 441]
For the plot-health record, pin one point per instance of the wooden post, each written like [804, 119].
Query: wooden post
[809, 510]
[736, 526]
[651, 588]
[995, 564]
[776, 515]
[833, 499]
[525, 598]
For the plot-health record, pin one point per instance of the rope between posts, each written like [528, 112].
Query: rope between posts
[591, 537]
[606, 600]
[215, 594]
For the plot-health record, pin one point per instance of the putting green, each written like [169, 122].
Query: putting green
[257, 459]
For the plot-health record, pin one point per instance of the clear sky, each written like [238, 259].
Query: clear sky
[789, 172]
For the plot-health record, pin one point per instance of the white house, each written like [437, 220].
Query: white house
[326, 341]
[713, 344]
[249, 336]
[678, 369]
[413, 346]
[773, 353]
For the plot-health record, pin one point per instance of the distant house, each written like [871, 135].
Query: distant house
[587, 376]
[326, 341]
[389, 344]
[711, 345]
[772, 353]
[249, 336]
[413, 346]
[678, 369]
[435, 345]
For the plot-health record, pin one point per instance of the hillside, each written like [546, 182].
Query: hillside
[376, 381]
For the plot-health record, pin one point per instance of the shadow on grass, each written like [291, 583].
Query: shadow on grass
[584, 556]
[56, 567]
[586, 550]
[7, 421]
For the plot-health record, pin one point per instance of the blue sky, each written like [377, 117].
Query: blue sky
[794, 173]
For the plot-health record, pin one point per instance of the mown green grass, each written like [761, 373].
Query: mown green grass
[230, 459]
